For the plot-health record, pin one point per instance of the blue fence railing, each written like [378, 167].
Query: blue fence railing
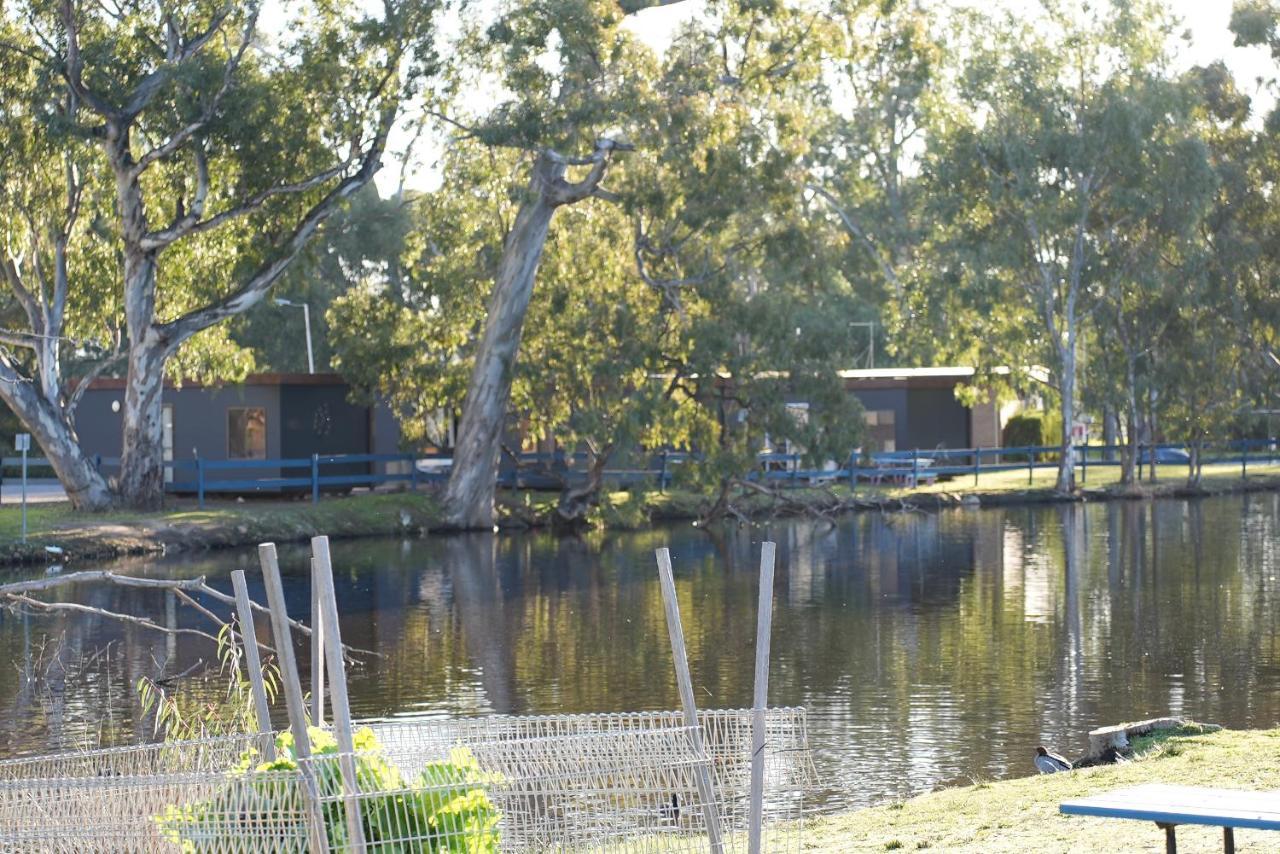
[333, 472]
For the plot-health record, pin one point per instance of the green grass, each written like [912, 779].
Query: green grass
[1219, 476]
[183, 525]
[1022, 815]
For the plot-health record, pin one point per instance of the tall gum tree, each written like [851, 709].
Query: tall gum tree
[1037, 165]
[223, 149]
[575, 73]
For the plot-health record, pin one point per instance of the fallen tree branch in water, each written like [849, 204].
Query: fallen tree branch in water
[17, 592]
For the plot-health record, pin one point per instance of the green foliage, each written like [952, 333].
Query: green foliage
[176, 717]
[1024, 429]
[444, 809]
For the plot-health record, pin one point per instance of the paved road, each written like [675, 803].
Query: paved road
[40, 491]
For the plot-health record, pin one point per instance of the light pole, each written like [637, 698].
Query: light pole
[306, 320]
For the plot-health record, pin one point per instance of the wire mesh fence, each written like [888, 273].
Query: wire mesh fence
[591, 783]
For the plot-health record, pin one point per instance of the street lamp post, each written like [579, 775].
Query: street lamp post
[306, 320]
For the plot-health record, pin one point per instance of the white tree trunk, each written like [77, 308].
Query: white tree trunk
[85, 486]
[469, 496]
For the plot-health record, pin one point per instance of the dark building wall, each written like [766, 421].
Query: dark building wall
[199, 423]
[318, 419]
[923, 417]
[935, 419]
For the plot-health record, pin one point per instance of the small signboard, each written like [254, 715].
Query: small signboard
[22, 442]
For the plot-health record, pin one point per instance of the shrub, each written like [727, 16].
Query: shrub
[446, 809]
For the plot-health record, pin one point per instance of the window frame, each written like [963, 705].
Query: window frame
[265, 442]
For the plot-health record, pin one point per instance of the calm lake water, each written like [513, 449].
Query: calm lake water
[929, 648]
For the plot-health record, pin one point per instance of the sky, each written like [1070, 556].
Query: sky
[1206, 20]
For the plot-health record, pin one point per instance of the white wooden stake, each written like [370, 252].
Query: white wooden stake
[249, 640]
[760, 699]
[706, 787]
[317, 648]
[293, 698]
[322, 577]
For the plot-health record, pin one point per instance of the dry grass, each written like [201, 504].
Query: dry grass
[1022, 815]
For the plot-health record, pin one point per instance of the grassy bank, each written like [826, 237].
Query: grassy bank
[182, 526]
[1022, 815]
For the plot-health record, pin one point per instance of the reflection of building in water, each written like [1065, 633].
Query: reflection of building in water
[805, 567]
[1028, 576]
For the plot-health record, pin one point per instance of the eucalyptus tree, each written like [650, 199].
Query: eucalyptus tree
[569, 74]
[212, 151]
[1028, 180]
[882, 64]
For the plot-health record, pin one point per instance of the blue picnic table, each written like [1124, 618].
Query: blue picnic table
[1169, 806]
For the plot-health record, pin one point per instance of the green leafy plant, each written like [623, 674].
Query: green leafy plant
[445, 809]
[181, 716]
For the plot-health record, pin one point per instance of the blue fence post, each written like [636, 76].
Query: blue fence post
[1031, 467]
[413, 472]
[1244, 458]
[199, 482]
[915, 467]
[97, 462]
[1084, 463]
[662, 477]
[853, 476]
[977, 463]
[315, 478]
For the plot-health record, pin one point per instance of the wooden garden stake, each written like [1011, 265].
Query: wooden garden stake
[706, 786]
[293, 698]
[340, 706]
[760, 699]
[253, 663]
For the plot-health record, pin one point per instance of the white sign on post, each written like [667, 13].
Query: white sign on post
[22, 442]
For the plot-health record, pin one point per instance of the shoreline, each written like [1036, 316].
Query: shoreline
[59, 536]
[1021, 814]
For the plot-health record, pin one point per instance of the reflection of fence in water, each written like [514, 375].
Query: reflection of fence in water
[624, 782]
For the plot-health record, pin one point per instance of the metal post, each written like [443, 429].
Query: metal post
[413, 473]
[1244, 465]
[24, 492]
[306, 321]
[760, 700]
[1031, 467]
[253, 663]
[915, 468]
[315, 478]
[1084, 463]
[706, 789]
[199, 482]
[977, 463]
[662, 478]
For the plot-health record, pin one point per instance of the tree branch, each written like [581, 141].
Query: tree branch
[252, 291]
[886, 269]
[191, 223]
[184, 134]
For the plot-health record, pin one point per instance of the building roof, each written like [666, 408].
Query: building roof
[251, 379]
[905, 373]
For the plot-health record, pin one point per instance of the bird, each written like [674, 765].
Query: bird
[671, 811]
[1049, 763]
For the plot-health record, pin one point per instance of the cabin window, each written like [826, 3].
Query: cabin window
[246, 433]
[880, 430]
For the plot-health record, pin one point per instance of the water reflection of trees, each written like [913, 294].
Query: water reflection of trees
[928, 646]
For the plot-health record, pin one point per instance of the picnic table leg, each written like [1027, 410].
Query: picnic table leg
[1229, 840]
[1170, 841]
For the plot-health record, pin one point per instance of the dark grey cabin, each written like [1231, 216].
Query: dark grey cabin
[265, 417]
